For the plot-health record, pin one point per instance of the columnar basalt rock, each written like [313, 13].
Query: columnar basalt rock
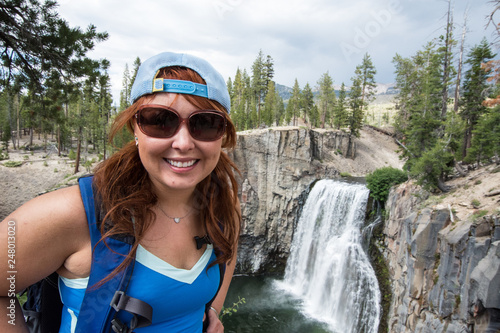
[439, 268]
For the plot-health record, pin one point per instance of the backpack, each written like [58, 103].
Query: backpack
[98, 312]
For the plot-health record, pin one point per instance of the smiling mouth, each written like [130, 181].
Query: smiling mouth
[181, 164]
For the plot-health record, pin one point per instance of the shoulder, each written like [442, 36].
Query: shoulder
[53, 208]
[48, 229]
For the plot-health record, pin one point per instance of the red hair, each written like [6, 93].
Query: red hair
[126, 191]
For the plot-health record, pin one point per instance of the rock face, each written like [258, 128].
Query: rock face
[278, 166]
[439, 267]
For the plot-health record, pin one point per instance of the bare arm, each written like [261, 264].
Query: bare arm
[37, 239]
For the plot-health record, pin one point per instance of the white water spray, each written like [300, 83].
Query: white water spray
[327, 267]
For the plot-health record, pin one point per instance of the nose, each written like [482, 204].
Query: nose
[182, 140]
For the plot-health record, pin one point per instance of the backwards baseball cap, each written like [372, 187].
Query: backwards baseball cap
[147, 83]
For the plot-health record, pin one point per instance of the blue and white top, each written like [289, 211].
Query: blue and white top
[178, 296]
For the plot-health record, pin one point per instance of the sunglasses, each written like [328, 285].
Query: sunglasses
[159, 121]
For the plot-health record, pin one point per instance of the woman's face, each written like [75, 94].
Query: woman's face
[179, 162]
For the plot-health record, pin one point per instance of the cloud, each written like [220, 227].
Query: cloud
[305, 38]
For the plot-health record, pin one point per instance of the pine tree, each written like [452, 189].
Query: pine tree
[238, 114]
[125, 92]
[326, 101]
[474, 88]
[407, 84]
[137, 64]
[446, 50]
[34, 40]
[366, 75]
[307, 103]
[486, 137]
[356, 103]
[268, 72]
[427, 146]
[340, 114]
[280, 111]
[270, 105]
[259, 83]
[293, 107]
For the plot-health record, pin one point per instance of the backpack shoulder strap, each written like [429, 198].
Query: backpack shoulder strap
[100, 304]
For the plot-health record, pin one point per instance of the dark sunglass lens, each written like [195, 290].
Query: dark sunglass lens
[158, 122]
[206, 126]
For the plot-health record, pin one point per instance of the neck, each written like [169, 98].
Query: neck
[175, 203]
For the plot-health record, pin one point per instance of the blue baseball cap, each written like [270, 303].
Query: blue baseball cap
[147, 83]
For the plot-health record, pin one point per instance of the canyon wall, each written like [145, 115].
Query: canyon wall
[278, 167]
[440, 266]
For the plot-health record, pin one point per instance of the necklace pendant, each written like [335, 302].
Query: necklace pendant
[177, 219]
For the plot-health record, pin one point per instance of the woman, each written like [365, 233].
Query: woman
[172, 189]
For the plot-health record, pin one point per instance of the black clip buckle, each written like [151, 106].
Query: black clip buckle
[115, 301]
[118, 326]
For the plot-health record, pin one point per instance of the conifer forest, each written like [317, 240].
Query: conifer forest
[446, 101]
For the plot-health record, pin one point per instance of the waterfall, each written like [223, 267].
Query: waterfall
[328, 268]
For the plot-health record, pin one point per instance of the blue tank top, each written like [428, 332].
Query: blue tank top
[178, 296]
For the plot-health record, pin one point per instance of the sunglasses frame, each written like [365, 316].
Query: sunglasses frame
[181, 120]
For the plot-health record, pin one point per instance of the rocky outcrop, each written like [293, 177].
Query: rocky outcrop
[278, 166]
[440, 266]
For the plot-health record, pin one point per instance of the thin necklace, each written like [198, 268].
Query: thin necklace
[176, 219]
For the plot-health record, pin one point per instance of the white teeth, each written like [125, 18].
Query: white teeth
[181, 164]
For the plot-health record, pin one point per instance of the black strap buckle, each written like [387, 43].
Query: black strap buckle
[118, 327]
[142, 312]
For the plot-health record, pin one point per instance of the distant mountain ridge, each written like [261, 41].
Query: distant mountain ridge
[382, 89]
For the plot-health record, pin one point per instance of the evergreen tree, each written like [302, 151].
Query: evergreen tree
[137, 64]
[366, 75]
[34, 41]
[474, 90]
[270, 105]
[46, 57]
[105, 101]
[407, 84]
[125, 92]
[447, 43]
[315, 119]
[356, 103]
[340, 114]
[293, 107]
[486, 136]
[268, 72]
[280, 111]
[326, 98]
[238, 114]
[427, 150]
[259, 83]
[307, 103]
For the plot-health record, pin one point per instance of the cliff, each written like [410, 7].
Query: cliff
[278, 166]
[443, 255]
[440, 265]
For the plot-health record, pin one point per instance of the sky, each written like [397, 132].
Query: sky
[305, 38]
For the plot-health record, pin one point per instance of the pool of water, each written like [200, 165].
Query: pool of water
[268, 309]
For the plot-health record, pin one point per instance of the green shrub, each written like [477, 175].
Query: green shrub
[380, 181]
[13, 164]
[72, 155]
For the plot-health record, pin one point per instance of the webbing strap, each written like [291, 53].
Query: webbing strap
[142, 312]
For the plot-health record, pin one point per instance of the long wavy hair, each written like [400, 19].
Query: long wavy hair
[127, 194]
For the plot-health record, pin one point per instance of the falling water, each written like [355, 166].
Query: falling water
[327, 267]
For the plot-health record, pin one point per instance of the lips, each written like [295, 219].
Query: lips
[179, 164]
